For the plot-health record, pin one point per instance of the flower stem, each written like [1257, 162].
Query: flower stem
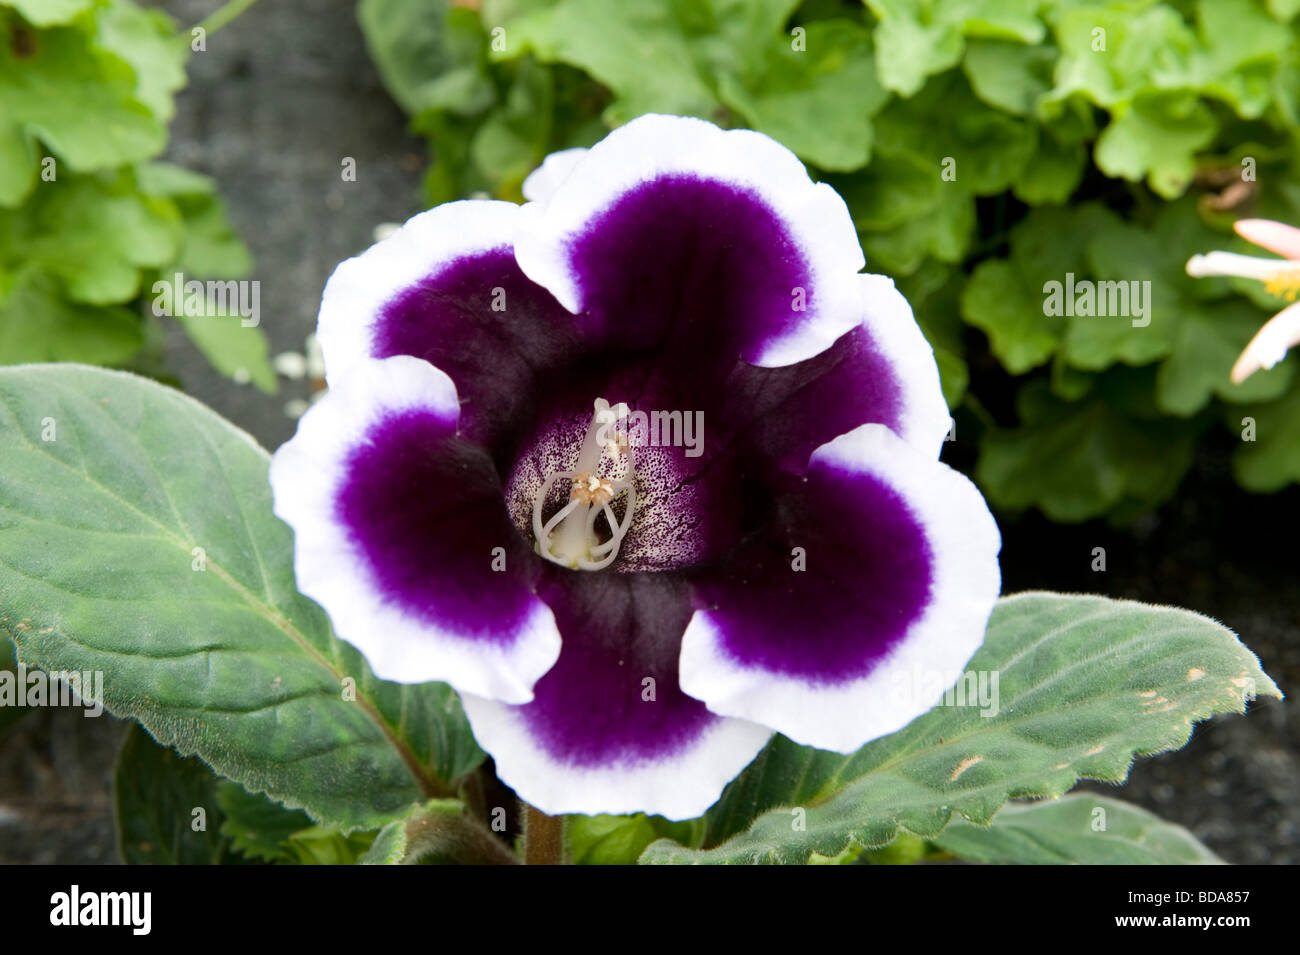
[222, 15]
[543, 837]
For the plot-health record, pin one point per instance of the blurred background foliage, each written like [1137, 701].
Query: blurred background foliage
[88, 220]
[1108, 140]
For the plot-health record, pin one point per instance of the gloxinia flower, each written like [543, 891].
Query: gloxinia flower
[1281, 277]
[629, 615]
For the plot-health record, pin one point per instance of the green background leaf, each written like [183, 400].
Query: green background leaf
[156, 792]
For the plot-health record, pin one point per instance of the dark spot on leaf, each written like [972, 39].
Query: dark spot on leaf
[23, 41]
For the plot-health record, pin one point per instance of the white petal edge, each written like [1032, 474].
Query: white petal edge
[893, 328]
[305, 475]
[542, 182]
[1279, 335]
[680, 786]
[361, 286]
[652, 146]
[964, 540]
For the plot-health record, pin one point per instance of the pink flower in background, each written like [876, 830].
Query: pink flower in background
[1281, 277]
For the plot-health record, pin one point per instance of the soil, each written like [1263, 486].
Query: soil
[277, 101]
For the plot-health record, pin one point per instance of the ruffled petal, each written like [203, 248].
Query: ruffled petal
[1277, 237]
[546, 178]
[673, 234]
[445, 287]
[882, 372]
[403, 537]
[839, 622]
[609, 729]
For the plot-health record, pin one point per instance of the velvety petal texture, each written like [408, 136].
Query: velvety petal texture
[672, 231]
[630, 616]
[609, 728]
[401, 534]
[878, 573]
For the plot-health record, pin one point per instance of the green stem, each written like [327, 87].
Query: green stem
[220, 17]
[543, 837]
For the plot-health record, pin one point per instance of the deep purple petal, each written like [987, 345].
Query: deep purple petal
[445, 288]
[609, 729]
[876, 573]
[495, 333]
[424, 509]
[673, 235]
[403, 537]
[830, 585]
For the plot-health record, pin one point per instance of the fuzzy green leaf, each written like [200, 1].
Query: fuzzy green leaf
[1085, 685]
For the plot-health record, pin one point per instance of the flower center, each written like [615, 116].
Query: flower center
[1285, 285]
[570, 537]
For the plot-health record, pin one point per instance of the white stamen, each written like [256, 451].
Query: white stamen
[569, 537]
[1241, 266]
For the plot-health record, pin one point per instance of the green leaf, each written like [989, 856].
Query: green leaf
[818, 100]
[1242, 45]
[934, 292]
[1084, 685]
[429, 54]
[1269, 456]
[47, 13]
[1053, 173]
[911, 49]
[890, 192]
[10, 713]
[436, 833]
[513, 138]
[213, 650]
[1208, 341]
[1112, 53]
[257, 826]
[209, 247]
[998, 301]
[919, 38]
[1009, 76]
[1078, 829]
[948, 127]
[326, 845]
[637, 48]
[942, 231]
[608, 840]
[59, 89]
[236, 350]
[96, 234]
[147, 40]
[38, 324]
[1009, 298]
[1079, 460]
[165, 806]
[1157, 137]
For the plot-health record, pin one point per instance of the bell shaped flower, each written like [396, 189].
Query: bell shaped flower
[1281, 277]
[644, 468]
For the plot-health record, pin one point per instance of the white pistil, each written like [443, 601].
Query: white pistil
[569, 537]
